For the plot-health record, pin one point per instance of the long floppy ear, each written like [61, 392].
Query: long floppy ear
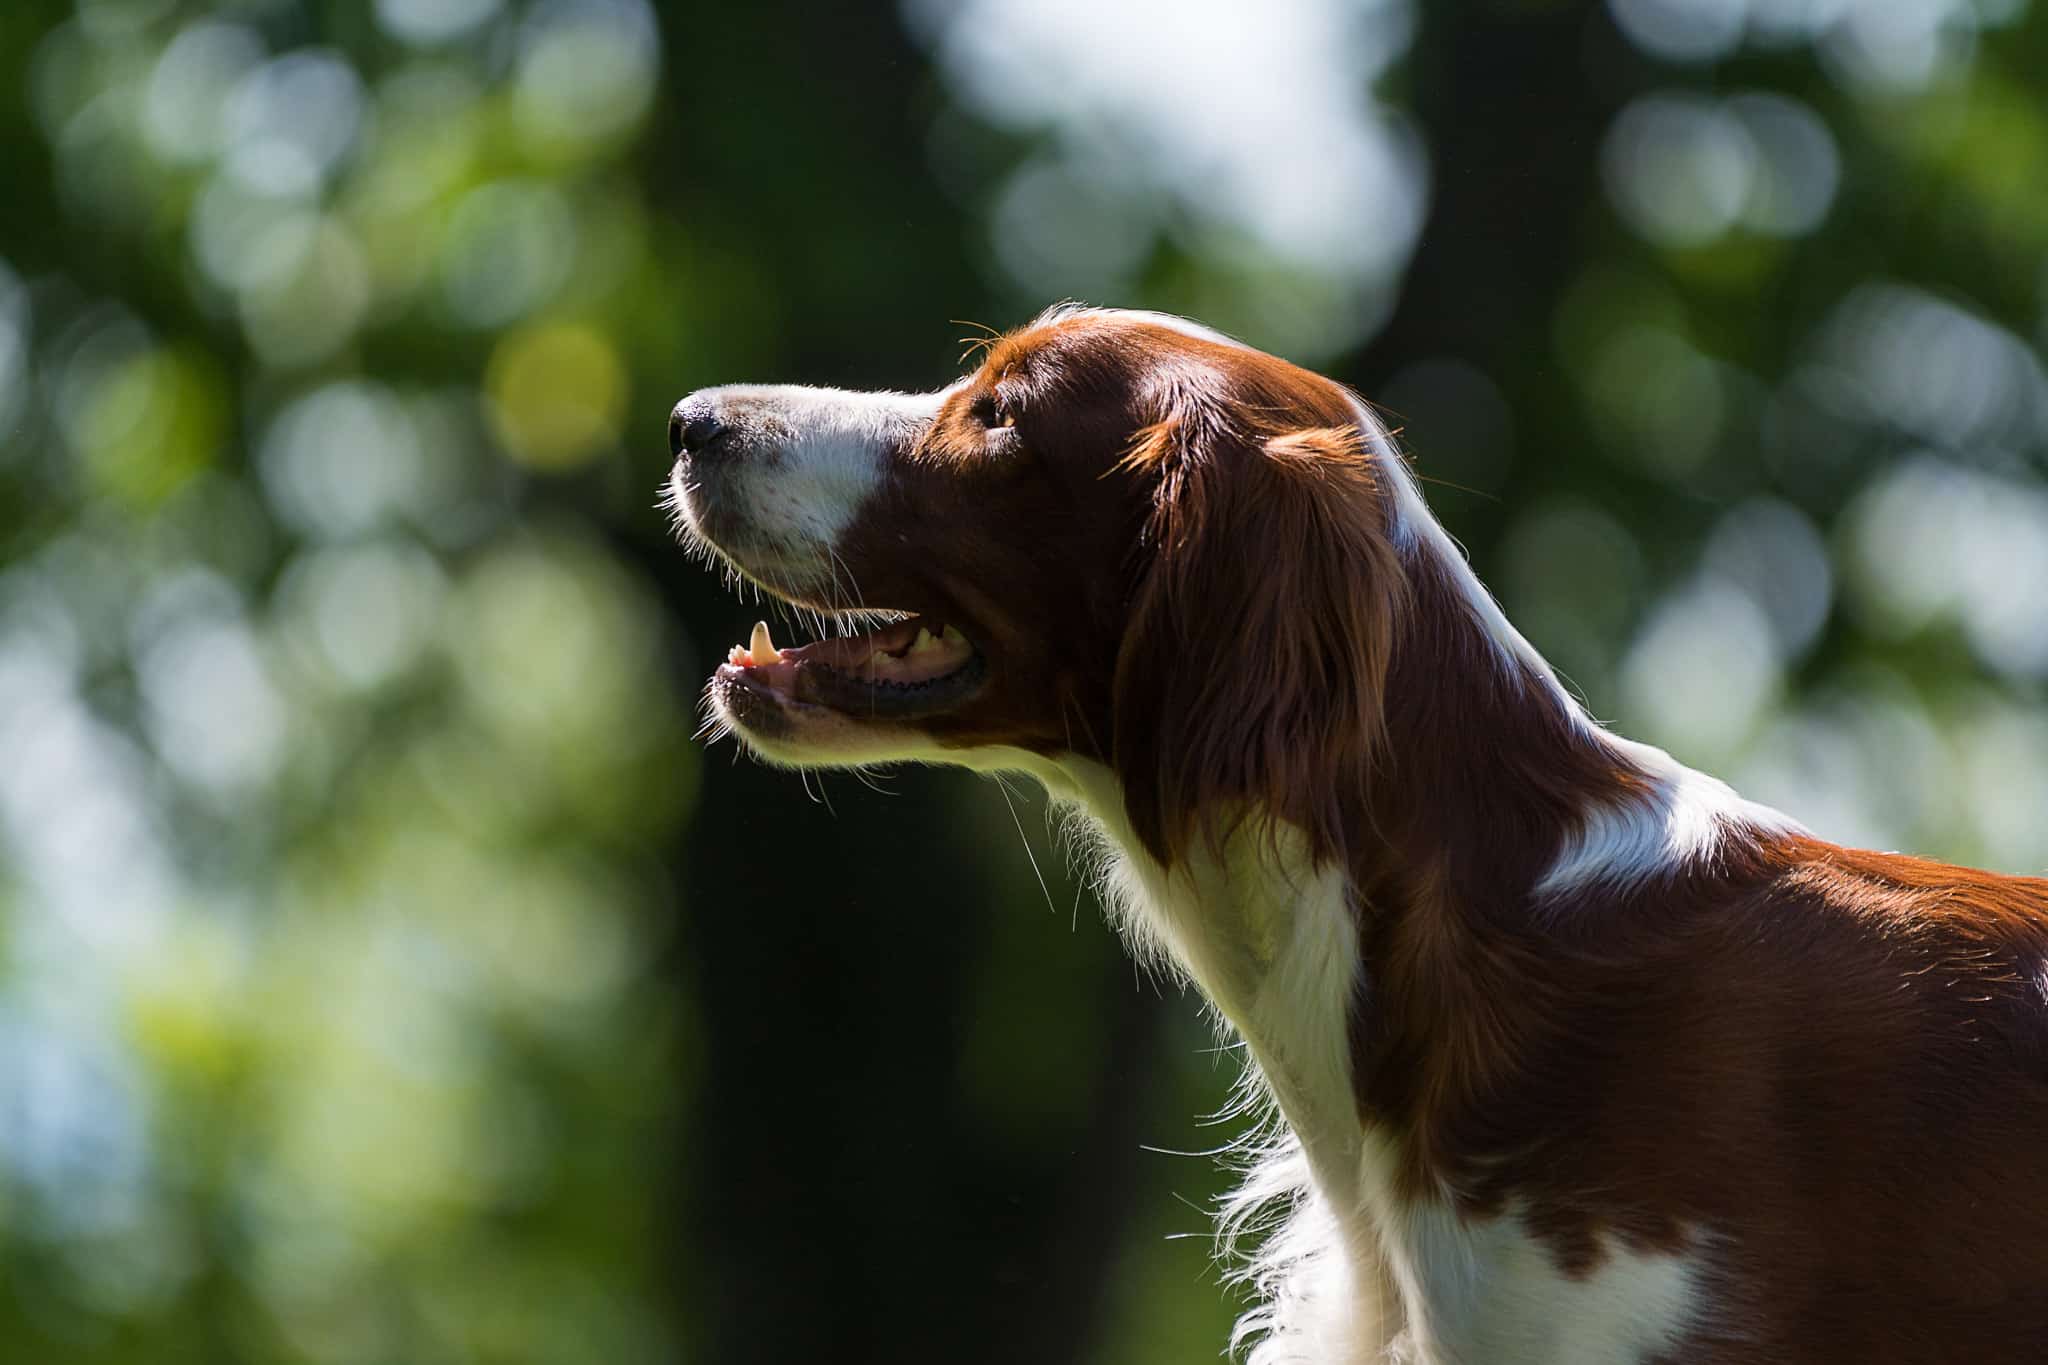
[1249, 681]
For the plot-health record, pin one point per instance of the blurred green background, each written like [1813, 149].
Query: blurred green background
[386, 977]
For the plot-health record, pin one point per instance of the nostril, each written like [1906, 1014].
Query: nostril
[701, 432]
[692, 427]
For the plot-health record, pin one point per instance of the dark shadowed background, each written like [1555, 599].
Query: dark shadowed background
[384, 974]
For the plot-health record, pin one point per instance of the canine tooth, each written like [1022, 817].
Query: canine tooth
[762, 646]
[923, 641]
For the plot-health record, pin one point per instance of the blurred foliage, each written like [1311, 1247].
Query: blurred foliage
[381, 979]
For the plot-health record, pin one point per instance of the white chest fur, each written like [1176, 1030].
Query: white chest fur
[1356, 1274]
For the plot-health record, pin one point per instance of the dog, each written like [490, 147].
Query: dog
[1582, 1057]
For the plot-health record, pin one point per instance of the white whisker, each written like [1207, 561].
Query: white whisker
[1046, 891]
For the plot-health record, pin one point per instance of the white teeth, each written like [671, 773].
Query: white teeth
[762, 646]
[923, 642]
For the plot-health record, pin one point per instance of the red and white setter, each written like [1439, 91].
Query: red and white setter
[1582, 1057]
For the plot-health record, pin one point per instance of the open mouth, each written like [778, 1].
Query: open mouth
[913, 667]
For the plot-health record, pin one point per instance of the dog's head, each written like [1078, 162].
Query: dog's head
[1121, 537]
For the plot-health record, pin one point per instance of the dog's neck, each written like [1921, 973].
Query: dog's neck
[1490, 768]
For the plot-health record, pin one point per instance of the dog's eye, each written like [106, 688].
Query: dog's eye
[994, 412]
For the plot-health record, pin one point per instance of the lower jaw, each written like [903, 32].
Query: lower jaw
[756, 711]
[756, 703]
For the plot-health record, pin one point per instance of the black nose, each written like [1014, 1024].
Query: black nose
[693, 426]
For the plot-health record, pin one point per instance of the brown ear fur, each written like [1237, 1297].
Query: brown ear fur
[1249, 682]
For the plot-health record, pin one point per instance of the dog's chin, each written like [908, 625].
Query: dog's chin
[787, 733]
